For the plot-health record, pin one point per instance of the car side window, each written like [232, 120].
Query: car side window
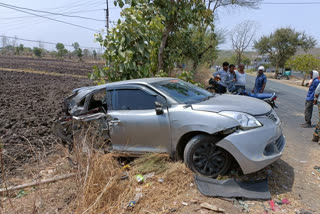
[132, 99]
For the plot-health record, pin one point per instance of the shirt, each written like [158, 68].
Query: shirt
[241, 78]
[224, 76]
[312, 89]
[260, 80]
[317, 92]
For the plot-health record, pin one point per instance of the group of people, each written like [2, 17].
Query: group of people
[313, 98]
[232, 80]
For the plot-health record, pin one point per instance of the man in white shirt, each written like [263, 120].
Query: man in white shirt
[241, 79]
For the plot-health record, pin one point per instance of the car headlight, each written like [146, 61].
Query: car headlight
[246, 121]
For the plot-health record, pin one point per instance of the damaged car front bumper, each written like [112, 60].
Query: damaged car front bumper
[256, 148]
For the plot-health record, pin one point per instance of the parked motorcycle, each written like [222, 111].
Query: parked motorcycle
[285, 75]
[267, 97]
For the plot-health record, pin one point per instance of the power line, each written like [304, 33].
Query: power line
[80, 11]
[52, 13]
[68, 23]
[50, 43]
[292, 3]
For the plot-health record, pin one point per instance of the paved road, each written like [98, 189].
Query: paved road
[301, 155]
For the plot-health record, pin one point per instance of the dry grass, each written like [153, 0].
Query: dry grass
[203, 75]
[105, 192]
[43, 72]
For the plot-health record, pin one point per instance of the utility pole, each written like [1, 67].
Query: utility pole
[107, 16]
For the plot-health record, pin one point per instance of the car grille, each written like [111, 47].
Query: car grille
[272, 116]
[280, 143]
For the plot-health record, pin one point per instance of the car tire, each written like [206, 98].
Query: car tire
[203, 157]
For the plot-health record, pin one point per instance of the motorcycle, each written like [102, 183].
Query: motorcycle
[267, 97]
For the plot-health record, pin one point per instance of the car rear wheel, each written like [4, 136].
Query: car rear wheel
[202, 156]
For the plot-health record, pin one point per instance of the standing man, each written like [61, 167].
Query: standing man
[241, 79]
[310, 97]
[261, 81]
[316, 132]
[223, 75]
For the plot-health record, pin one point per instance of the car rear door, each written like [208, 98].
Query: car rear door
[135, 126]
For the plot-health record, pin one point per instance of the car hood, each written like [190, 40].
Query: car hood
[238, 103]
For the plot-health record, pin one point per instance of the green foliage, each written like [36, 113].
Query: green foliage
[61, 50]
[76, 46]
[98, 75]
[79, 53]
[86, 52]
[19, 49]
[304, 63]
[94, 52]
[130, 45]
[152, 36]
[246, 60]
[188, 77]
[37, 51]
[282, 44]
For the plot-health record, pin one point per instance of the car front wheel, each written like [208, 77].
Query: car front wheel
[202, 156]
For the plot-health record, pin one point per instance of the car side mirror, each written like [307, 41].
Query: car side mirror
[159, 108]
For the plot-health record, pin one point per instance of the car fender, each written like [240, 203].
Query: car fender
[184, 120]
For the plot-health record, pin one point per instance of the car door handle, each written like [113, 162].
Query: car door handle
[115, 121]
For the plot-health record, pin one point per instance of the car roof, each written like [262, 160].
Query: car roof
[125, 82]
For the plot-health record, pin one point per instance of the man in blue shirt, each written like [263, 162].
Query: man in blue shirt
[310, 97]
[261, 81]
[224, 77]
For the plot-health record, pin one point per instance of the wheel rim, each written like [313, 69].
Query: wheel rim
[208, 159]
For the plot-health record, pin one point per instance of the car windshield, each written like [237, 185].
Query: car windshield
[183, 92]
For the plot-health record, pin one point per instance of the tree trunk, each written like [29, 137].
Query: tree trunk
[304, 79]
[239, 58]
[163, 43]
[200, 55]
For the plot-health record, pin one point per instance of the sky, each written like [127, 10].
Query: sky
[269, 17]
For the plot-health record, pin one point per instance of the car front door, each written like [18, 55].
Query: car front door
[135, 126]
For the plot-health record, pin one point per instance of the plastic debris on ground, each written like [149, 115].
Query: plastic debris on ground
[149, 175]
[124, 176]
[317, 168]
[136, 200]
[126, 166]
[231, 188]
[139, 178]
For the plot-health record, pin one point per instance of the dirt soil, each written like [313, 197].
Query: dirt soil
[49, 65]
[31, 102]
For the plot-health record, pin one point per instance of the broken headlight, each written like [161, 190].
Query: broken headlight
[246, 121]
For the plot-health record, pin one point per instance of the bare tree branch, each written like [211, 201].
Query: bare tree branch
[242, 36]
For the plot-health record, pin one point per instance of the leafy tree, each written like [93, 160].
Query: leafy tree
[79, 53]
[241, 37]
[94, 52]
[131, 46]
[38, 51]
[76, 46]
[19, 49]
[86, 52]
[246, 60]
[282, 44]
[153, 35]
[61, 50]
[303, 63]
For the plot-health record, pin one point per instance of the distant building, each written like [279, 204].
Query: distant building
[262, 60]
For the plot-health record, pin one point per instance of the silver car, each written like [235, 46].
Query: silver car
[167, 115]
